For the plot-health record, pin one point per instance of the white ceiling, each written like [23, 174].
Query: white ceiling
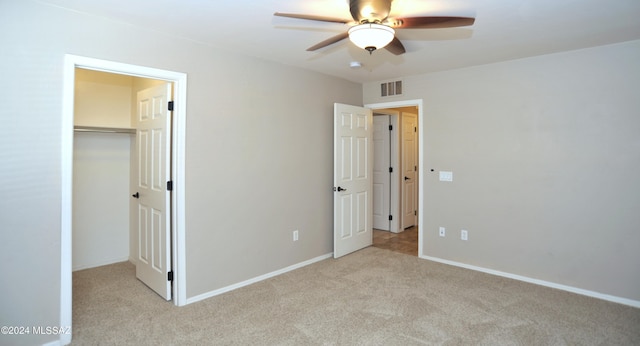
[504, 30]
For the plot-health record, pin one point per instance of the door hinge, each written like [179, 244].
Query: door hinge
[169, 185]
[415, 168]
[170, 276]
[390, 169]
[390, 217]
[415, 212]
[390, 127]
[170, 106]
[415, 129]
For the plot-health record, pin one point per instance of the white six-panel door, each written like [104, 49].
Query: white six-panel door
[353, 163]
[154, 154]
[409, 170]
[381, 176]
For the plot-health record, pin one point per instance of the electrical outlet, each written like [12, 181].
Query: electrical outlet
[295, 235]
[442, 231]
[464, 235]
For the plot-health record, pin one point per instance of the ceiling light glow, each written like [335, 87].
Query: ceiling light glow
[371, 36]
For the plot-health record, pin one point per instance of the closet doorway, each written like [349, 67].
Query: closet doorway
[74, 64]
[121, 165]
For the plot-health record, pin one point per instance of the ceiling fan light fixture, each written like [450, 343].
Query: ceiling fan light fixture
[371, 36]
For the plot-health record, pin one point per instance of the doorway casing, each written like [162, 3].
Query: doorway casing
[412, 103]
[71, 62]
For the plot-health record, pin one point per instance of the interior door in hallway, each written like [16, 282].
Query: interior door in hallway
[153, 142]
[381, 172]
[409, 169]
[352, 179]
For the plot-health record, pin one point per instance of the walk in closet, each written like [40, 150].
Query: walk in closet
[103, 167]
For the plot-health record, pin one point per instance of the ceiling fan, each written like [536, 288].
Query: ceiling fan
[372, 28]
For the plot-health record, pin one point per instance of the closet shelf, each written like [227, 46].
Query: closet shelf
[104, 129]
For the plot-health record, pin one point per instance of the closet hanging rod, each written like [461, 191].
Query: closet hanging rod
[104, 129]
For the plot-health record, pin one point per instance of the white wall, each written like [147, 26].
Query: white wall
[258, 155]
[100, 199]
[545, 155]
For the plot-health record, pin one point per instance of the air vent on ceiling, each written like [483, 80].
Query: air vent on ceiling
[391, 88]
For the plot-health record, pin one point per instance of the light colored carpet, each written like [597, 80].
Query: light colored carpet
[371, 297]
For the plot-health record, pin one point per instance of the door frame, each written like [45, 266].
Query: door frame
[421, 173]
[179, 80]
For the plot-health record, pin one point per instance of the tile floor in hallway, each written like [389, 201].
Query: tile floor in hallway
[405, 242]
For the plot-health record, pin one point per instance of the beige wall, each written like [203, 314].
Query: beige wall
[258, 156]
[102, 99]
[545, 156]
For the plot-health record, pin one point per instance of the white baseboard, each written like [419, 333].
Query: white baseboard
[257, 279]
[53, 343]
[64, 340]
[620, 300]
[101, 263]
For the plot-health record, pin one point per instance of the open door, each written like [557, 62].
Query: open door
[352, 179]
[382, 170]
[409, 170]
[153, 137]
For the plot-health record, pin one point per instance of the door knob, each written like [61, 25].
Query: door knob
[406, 178]
[340, 189]
[136, 195]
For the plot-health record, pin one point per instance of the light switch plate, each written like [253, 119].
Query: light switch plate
[446, 176]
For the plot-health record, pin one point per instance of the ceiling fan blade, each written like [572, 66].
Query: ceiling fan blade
[429, 22]
[329, 41]
[312, 17]
[395, 47]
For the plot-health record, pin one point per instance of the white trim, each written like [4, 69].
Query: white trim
[571, 289]
[257, 279]
[66, 186]
[421, 173]
[71, 62]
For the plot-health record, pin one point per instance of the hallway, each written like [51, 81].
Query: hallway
[405, 242]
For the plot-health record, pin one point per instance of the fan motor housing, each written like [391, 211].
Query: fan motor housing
[370, 11]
